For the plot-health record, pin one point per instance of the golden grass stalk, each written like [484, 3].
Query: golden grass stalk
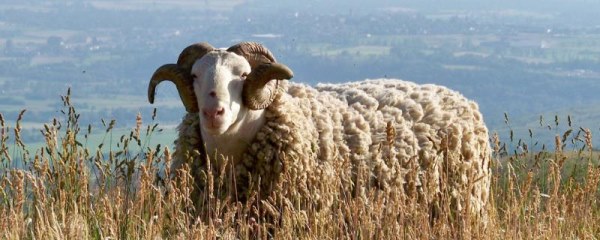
[63, 192]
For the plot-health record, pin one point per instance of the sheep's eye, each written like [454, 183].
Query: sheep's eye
[244, 76]
[194, 76]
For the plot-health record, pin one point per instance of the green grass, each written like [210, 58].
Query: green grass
[560, 48]
[162, 135]
[32, 105]
[541, 129]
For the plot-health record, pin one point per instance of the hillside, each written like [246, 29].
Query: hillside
[516, 58]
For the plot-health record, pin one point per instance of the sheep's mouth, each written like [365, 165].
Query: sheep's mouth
[214, 125]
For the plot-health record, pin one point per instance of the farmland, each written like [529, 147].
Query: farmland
[500, 65]
[534, 70]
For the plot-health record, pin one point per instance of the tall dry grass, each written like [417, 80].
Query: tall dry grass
[119, 190]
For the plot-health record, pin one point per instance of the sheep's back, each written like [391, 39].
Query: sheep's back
[405, 134]
[424, 141]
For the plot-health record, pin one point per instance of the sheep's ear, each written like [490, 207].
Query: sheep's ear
[259, 89]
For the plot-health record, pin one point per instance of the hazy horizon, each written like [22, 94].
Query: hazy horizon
[520, 57]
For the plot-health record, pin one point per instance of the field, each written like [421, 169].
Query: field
[95, 171]
[118, 190]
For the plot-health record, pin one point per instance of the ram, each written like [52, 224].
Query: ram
[313, 145]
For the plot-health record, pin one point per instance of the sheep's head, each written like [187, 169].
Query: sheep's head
[219, 84]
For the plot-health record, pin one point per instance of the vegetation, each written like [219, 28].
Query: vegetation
[526, 61]
[82, 177]
[120, 189]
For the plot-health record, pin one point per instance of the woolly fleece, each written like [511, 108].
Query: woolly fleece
[396, 136]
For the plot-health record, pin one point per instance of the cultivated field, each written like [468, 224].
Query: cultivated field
[118, 190]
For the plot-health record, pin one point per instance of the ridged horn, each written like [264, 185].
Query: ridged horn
[255, 53]
[179, 74]
[259, 91]
[181, 79]
[193, 52]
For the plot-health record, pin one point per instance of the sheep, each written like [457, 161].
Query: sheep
[312, 145]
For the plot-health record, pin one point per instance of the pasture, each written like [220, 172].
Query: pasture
[69, 187]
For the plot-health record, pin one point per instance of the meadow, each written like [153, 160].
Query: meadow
[118, 188]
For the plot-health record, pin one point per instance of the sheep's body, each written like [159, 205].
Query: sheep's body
[397, 136]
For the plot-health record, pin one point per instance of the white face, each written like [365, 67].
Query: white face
[218, 82]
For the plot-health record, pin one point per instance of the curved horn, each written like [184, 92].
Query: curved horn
[258, 91]
[255, 53]
[193, 52]
[180, 75]
[182, 80]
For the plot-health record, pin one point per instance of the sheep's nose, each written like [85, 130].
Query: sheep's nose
[213, 112]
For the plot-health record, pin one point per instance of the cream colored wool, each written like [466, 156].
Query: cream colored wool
[396, 136]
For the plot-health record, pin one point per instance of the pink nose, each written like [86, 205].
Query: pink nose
[213, 112]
